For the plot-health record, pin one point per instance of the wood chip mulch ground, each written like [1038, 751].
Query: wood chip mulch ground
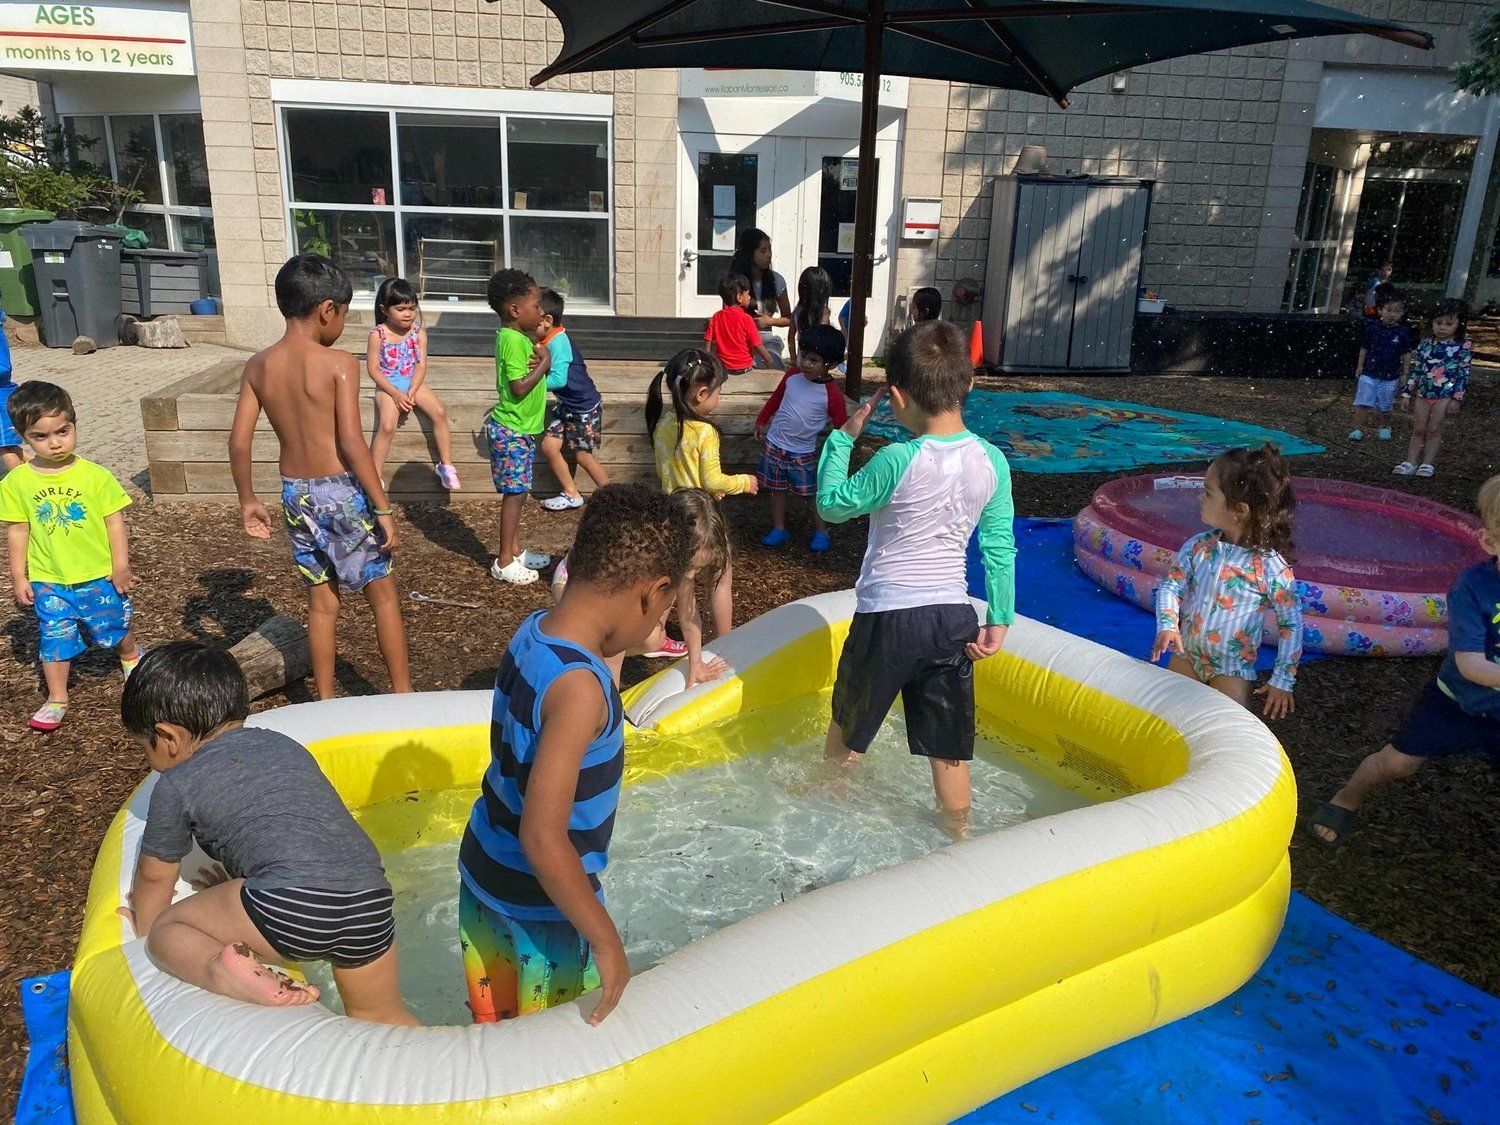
[1419, 872]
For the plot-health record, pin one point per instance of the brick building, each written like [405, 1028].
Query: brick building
[402, 136]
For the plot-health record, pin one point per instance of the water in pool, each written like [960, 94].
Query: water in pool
[697, 850]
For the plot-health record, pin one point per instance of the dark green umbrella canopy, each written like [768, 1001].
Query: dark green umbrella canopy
[1044, 47]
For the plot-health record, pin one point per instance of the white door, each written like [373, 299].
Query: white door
[800, 191]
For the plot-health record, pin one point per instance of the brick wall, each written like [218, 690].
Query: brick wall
[1225, 137]
[241, 45]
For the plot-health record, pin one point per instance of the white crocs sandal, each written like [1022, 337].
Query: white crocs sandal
[516, 572]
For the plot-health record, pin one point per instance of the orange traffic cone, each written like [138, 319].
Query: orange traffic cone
[976, 344]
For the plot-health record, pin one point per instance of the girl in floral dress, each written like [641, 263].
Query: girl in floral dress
[1211, 608]
[397, 364]
[1439, 377]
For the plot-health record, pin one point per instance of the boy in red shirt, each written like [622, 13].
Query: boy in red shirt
[732, 333]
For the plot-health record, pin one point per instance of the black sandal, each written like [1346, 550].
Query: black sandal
[1337, 820]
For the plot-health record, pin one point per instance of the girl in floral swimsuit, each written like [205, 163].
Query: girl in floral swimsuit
[1210, 609]
[397, 363]
[1439, 376]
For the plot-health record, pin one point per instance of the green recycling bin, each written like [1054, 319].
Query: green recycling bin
[17, 282]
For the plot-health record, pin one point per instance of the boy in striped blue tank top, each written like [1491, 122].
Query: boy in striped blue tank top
[533, 929]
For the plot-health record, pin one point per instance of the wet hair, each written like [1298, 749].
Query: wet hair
[552, 304]
[927, 301]
[306, 281]
[709, 531]
[826, 342]
[1388, 294]
[33, 400]
[1489, 505]
[1453, 307]
[684, 373]
[506, 286]
[731, 285]
[629, 534]
[814, 290]
[743, 262]
[1260, 480]
[393, 291]
[930, 363]
[186, 683]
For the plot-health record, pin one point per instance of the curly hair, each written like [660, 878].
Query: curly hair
[629, 534]
[506, 286]
[710, 532]
[1260, 480]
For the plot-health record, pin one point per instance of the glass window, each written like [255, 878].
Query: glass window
[727, 186]
[187, 164]
[137, 163]
[450, 161]
[451, 257]
[558, 165]
[83, 139]
[153, 223]
[338, 156]
[361, 243]
[194, 232]
[570, 255]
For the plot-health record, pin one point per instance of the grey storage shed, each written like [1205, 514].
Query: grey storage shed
[1064, 269]
[155, 282]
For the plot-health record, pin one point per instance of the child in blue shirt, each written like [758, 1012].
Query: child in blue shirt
[10, 437]
[1384, 363]
[576, 421]
[1459, 712]
[532, 925]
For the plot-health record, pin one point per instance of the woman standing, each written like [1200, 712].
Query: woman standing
[771, 305]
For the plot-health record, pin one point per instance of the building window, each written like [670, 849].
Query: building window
[1315, 240]
[161, 156]
[446, 199]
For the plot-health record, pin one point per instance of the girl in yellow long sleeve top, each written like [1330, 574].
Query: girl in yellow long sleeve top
[686, 446]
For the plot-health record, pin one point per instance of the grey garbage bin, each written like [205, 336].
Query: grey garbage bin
[77, 281]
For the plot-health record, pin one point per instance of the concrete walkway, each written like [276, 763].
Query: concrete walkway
[107, 388]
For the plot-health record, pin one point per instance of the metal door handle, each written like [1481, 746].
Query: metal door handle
[688, 257]
[1078, 279]
[879, 258]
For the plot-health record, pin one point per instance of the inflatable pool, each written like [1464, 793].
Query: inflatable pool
[1373, 566]
[910, 994]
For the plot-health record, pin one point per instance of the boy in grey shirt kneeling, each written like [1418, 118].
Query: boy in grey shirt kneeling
[304, 882]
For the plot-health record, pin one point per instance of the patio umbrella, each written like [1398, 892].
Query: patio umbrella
[1044, 47]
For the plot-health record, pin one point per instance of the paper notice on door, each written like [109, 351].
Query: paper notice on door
[724, 235]
[723, 201]
[846, 238]
[849, 175]
[6, 261]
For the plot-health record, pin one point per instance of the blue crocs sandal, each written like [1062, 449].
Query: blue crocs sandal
[776, 537]
[820, 542]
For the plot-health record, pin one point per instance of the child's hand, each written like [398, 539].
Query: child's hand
[541, 353]
[614, 975]
[1168, 640]
[25, 595]
[752, 485]
[388, 539]
[209, 877]
[405, 403]
[706, 671]
[122, 580]
[129, 915]
[857, 421]
[990, 638]
[1406, 401]
[1279, 703]
[256, 519]
[760, 431]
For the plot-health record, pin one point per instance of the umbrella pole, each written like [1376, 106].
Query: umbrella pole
[864, 198]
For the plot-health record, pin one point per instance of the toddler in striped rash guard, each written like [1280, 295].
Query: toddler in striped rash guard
[1211, 608]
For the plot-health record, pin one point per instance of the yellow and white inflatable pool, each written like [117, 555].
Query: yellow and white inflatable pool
[911, 994]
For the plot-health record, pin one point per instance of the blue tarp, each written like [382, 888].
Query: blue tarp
[1336, 1026]
[1052, 432]
[46, 1096]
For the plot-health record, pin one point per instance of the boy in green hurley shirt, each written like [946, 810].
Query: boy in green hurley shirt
[519, 417]
[69, 556]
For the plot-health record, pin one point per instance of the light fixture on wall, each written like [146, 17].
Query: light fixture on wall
[1117, 81]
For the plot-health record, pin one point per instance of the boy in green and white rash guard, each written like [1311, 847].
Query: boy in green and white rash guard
[915, 633]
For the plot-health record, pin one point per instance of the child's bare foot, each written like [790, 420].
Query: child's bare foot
[239, 974]
[956, 823]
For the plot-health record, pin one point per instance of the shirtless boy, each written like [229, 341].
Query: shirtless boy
[338, 515]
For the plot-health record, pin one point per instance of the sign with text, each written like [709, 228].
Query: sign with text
[105, 38]
[840, 85]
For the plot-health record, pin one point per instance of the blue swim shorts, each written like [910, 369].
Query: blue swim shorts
[8, 433]
[66, 611]
[334, 537]
[512, 458]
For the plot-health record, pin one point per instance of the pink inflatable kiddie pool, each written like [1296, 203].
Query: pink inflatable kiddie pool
[1373, 566]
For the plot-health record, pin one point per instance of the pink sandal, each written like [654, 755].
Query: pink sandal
[49, 716]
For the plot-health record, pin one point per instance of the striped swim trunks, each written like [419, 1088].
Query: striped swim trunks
[345, 928]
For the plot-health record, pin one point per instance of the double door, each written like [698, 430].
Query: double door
[800, 191]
